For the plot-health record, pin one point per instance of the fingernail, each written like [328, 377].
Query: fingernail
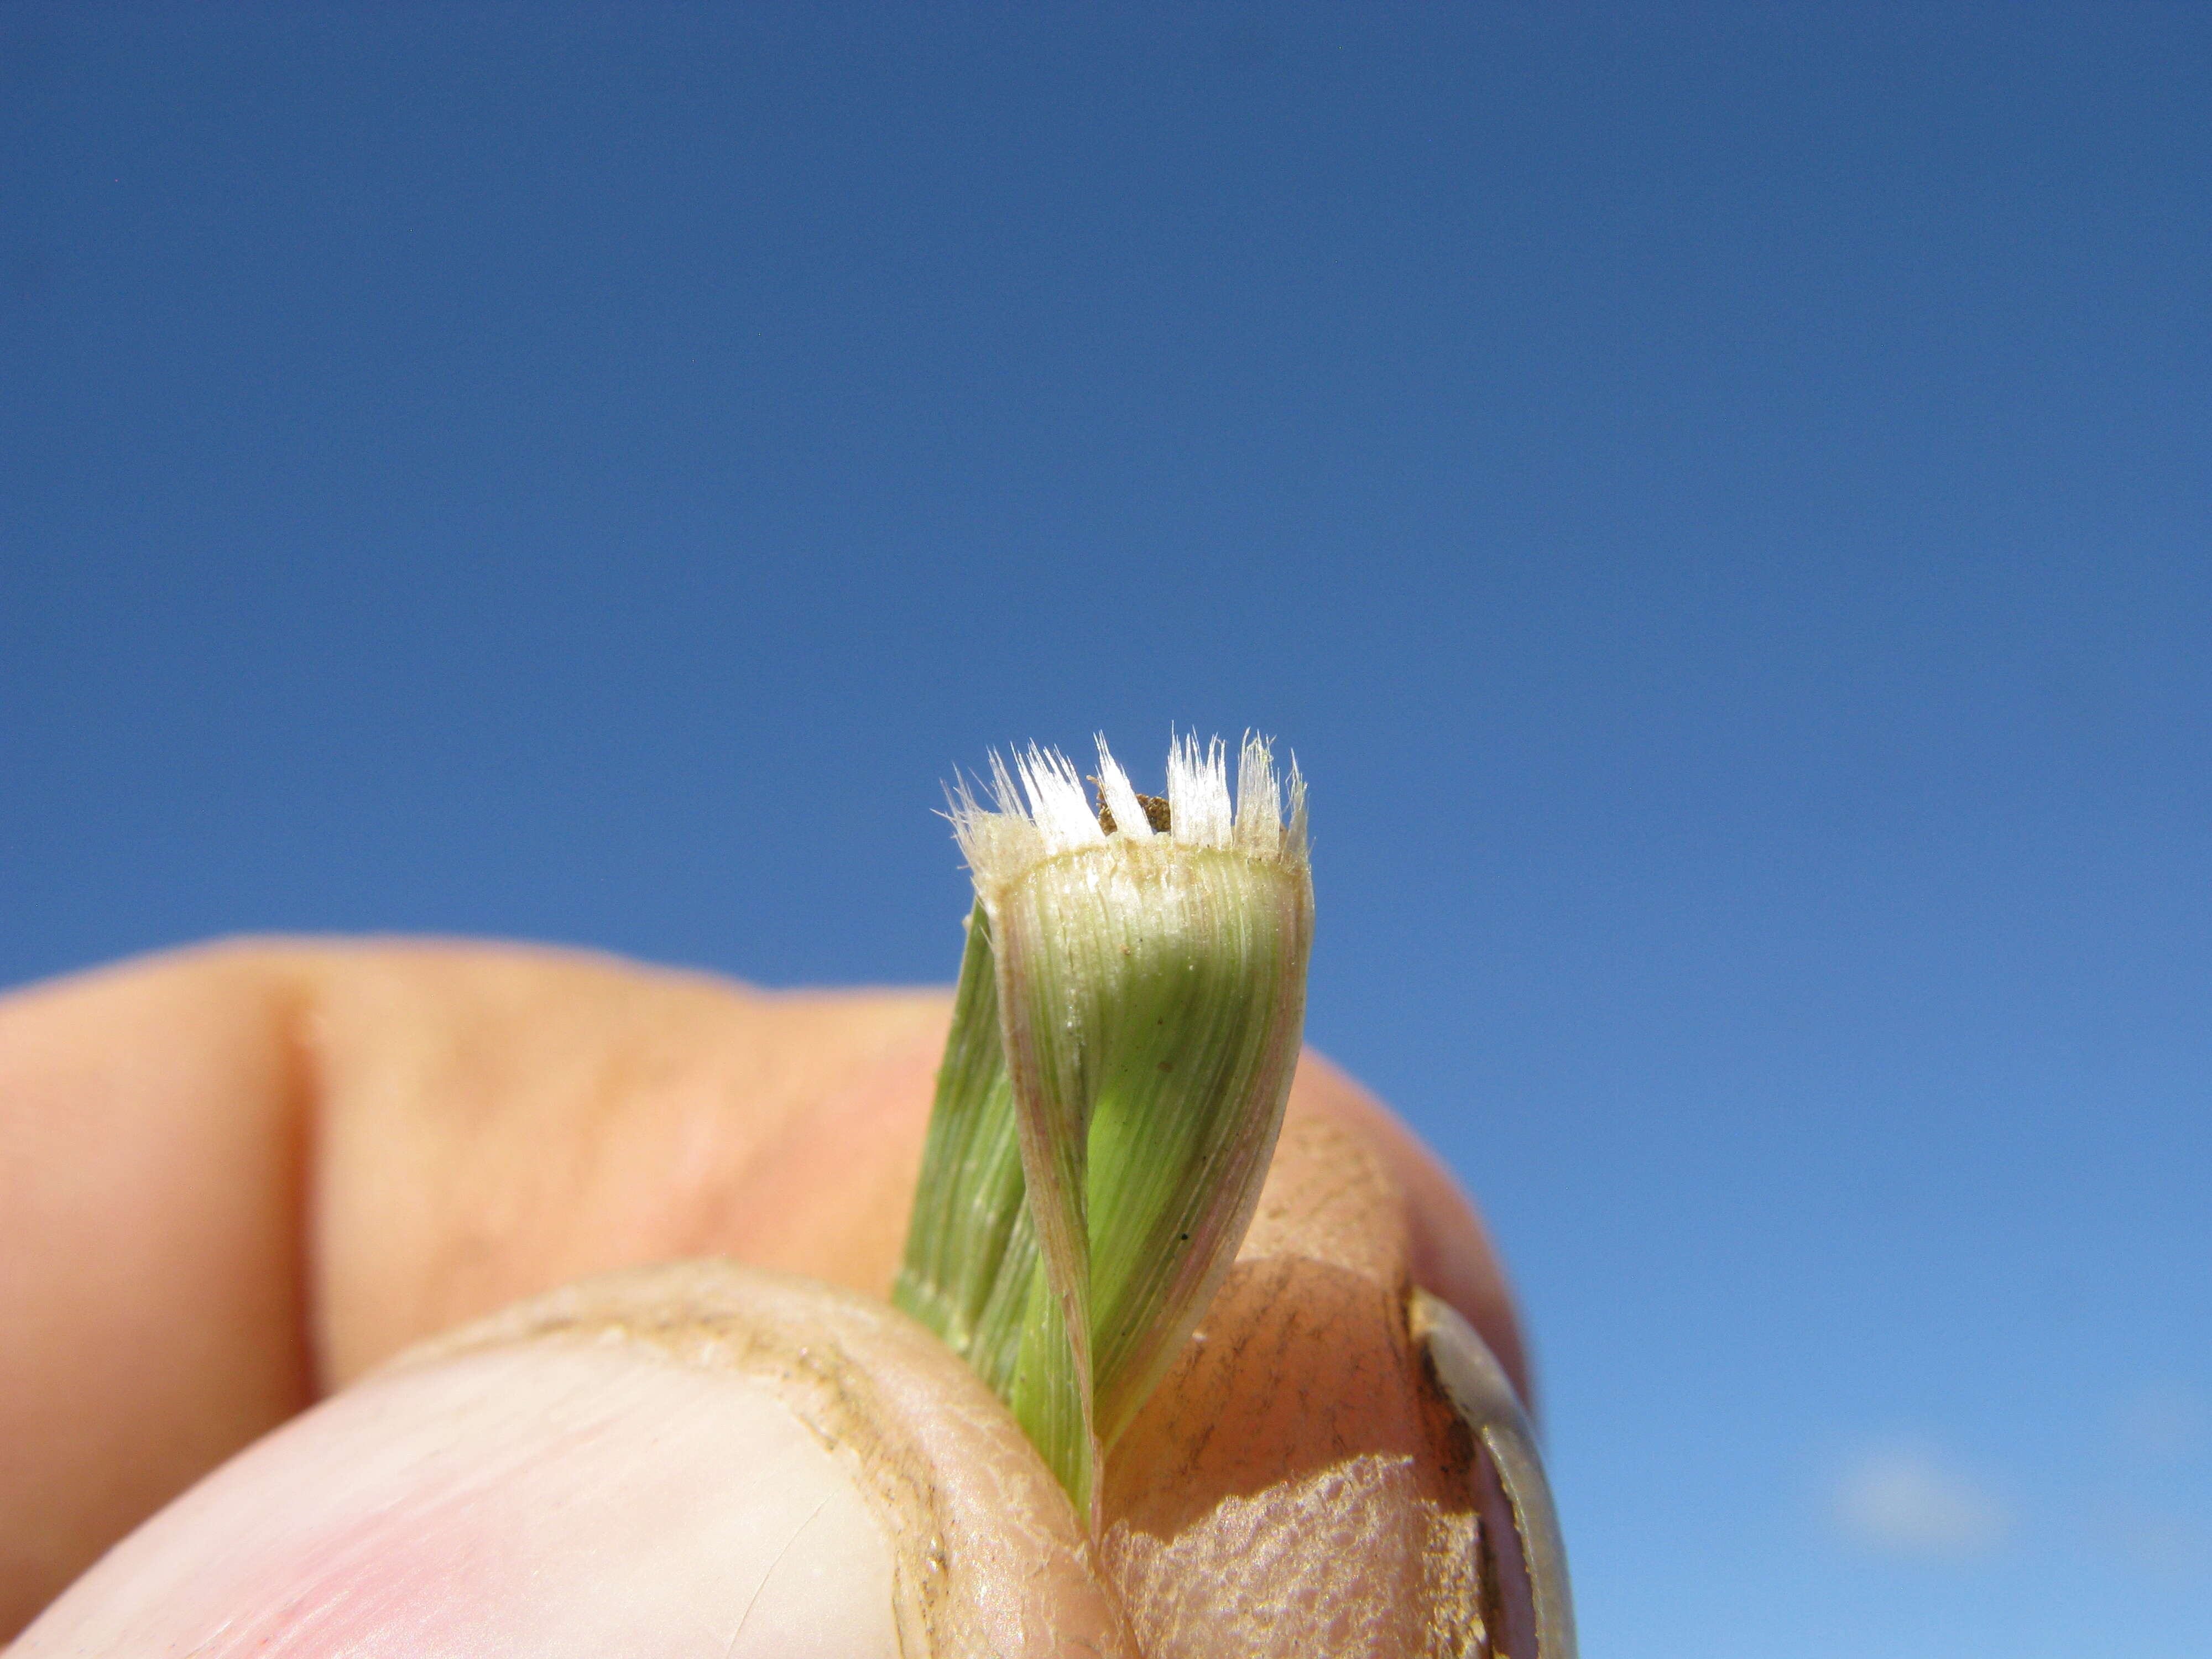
[1521, 1560]
[622, 1472]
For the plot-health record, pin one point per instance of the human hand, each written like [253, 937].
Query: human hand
[236, 1180]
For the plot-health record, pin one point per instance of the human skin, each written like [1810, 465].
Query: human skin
[235, 1179]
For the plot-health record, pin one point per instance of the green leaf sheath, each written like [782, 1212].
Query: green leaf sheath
[1122, 1041]
[1152, 996]
[971, 1247]
[972, 1272]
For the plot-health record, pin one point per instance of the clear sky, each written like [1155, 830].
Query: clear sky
[1718, 499]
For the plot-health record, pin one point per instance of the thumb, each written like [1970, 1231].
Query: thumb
[698, 1459]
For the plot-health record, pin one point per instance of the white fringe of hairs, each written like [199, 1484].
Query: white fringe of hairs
[1050, 811]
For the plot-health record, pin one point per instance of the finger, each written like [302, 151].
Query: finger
[479, 1124]
[1443, 1248]
[151, 1287]
[1300, 1481]
[492, 1122]
[230, 1176]
[704, 1459]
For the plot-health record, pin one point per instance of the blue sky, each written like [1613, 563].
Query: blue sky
[1718, 499]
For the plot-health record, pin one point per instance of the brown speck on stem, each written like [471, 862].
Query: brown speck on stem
[1156, 811]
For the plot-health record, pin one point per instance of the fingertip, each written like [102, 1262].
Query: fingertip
[150, 1282]
[1450, 1253]
[702, 1460]
[508, 1501]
